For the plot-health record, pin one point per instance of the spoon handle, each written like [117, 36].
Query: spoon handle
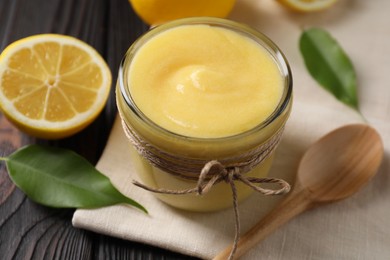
[296, 203]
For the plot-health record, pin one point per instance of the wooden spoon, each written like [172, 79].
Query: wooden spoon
[333, 168]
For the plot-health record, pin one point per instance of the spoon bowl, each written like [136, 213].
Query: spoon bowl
[340, 163]
[333, 168]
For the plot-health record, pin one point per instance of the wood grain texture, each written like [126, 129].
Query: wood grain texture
[31, 231]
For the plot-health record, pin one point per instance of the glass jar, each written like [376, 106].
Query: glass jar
[207, 149]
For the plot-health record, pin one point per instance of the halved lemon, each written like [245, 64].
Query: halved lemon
[308, 5]
[52, 86]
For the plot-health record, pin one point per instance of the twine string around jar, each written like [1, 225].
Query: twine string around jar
[208, 173]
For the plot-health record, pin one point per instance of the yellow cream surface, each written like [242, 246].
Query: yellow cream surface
[204, 81]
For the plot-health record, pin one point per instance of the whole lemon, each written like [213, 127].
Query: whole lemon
[156, 12]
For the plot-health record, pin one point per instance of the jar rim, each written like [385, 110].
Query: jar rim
[244, 29]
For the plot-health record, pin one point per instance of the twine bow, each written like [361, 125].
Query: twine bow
[229, 175]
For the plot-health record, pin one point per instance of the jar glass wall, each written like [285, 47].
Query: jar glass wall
[190, 148]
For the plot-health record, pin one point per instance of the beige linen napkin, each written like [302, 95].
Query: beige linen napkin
[356, 228]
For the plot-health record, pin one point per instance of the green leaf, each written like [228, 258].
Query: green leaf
[329, 65]
[60, 178]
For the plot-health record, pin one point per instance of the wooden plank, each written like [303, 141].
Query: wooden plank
[123, 27]
[31, 231]
[28, 230]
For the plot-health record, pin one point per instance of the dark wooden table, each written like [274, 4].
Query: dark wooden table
[31, 231]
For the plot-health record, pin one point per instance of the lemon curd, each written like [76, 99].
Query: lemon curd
[207, 89]
[204, 81]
